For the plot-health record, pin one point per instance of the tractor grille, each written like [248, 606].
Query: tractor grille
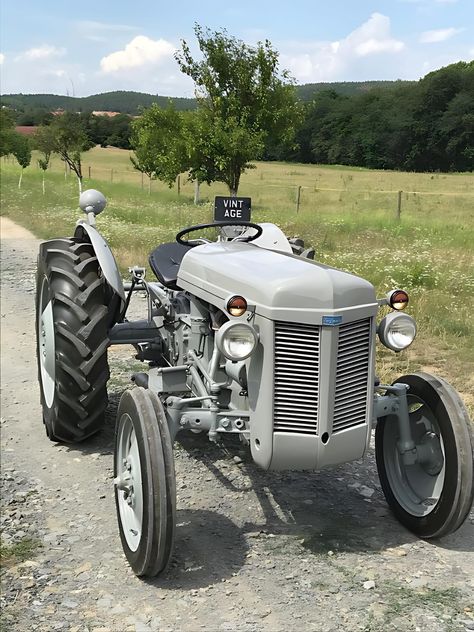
[350, 406]
[296, 378]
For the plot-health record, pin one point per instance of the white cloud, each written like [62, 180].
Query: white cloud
[371, 37]
[41, 52]
[141, 51]
[2, 58]
[438, 35]
[378, 46]
[328, 61]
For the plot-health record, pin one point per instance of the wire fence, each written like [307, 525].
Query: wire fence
[302, 199]
[295, 198]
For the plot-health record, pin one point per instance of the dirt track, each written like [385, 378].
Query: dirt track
[254, 550]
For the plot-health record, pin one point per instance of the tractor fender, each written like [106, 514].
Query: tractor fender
[104, 256]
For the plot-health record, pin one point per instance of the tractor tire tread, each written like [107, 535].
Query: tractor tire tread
[81, 315]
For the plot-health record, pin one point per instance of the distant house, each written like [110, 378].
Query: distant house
[105, 113]
[26, 130]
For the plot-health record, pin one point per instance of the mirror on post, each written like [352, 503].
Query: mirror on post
[92, 202]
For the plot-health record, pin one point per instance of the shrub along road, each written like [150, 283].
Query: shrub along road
[254, 550]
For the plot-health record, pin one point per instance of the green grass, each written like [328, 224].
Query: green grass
[353, 227]
[18, 552]
[404, 605]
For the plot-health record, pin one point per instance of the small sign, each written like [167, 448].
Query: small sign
[232, 209]
[332, 321]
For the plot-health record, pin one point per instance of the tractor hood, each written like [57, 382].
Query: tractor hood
[277, 284]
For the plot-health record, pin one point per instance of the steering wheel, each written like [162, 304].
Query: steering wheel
[202, 240]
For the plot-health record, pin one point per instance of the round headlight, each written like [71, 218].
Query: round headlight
[236, 340]
[397, 331]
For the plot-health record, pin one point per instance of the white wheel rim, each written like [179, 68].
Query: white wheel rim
[46, 348]
[415, 489]
[129, 483]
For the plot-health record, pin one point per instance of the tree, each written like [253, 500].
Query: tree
[159, 144]
[197, 128]
[66, 136]
[243, 98]
[22, 152]
[7, 132]
[43, 164]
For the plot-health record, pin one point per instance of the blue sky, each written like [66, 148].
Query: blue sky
[90, 47]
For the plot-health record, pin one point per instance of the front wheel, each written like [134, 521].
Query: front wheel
[431, 497]
[145, 492]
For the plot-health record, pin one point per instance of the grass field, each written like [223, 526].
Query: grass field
[347, 215]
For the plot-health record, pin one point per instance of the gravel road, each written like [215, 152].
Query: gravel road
[254, 550]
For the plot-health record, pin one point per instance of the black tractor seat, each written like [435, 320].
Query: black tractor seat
[165, 261]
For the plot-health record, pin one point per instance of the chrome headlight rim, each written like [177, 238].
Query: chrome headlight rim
[392, 334]
[231, 328]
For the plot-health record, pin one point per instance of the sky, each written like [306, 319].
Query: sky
[88, 47]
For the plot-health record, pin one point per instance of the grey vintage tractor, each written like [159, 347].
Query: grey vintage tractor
[245, 335]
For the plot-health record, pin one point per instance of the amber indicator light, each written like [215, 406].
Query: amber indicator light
[399, 300]
[236, 306]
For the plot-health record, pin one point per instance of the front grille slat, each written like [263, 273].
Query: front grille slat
[296, 378]
[352, 374]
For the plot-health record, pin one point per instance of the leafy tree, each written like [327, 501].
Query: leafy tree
[200, 160]
[66, 136]
[33, 116]
[456, 131]
[43, 164]
[105, 130]
[159, 144]
[244, 99]
[22, 152]
[7, 132]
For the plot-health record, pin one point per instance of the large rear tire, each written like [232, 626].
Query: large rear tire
[432, 496]
[72, 341]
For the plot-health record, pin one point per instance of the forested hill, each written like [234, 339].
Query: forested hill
[307, 91]
[132, 102]
[425, 125]
[118, 101]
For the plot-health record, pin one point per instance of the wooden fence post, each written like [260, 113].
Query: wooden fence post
[298, 197]
[196, 191]
[89, 172]
[399, 206]
[178, 184]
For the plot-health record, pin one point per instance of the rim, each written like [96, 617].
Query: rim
[417, 487]
[129, 483]
[46, 344]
